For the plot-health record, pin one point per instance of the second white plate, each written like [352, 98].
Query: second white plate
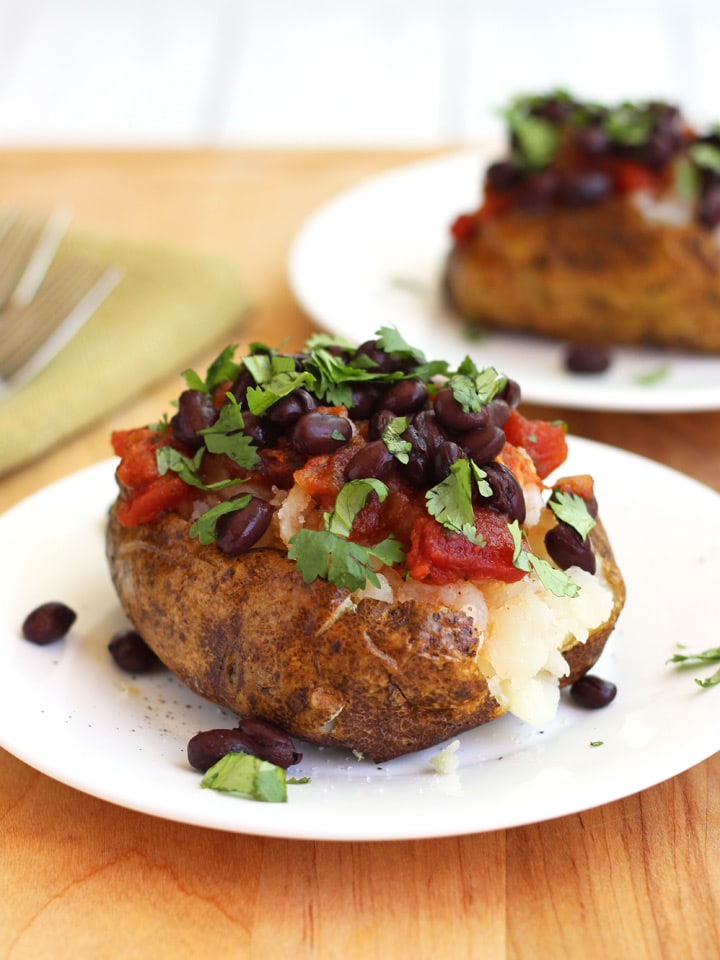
[374, 257]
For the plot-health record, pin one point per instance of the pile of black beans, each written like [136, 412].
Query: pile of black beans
[438, 433]
[659, 136]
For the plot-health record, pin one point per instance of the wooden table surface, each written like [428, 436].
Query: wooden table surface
[82, 878]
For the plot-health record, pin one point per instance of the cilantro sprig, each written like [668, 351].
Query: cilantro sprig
[204, 528]
[572, 510]
[392, 438]
[226, 436]
[276, 377]
[474, 388]
[242, 775]
[222, 368]
[554, 579]
[711, 655]
[451, 500]
[187, 468]
[327, 554]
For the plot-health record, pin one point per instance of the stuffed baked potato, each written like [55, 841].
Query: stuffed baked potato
[600, 226]
[356, 546]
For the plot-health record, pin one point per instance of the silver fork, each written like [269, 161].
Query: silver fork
[32, 333]
[27, 248]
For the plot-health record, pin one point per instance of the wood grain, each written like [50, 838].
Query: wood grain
[82, 878]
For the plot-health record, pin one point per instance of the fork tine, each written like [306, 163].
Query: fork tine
[19, 239]
[36, 268]
[31, 337]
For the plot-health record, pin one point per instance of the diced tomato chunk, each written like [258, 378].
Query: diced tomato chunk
[146, 494]
[633, 176]
[147, 504]
[439, 556]
[462, 228]
[545, 442]
[324, 475]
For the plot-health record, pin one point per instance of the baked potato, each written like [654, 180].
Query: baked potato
[361, 610]
[598, 227]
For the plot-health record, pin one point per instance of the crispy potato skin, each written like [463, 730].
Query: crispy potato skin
[600, 274]
[582, 656]
[249, 634]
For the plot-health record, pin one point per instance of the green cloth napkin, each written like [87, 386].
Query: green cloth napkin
[170, 305]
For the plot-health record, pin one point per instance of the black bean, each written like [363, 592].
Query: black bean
[378, 422]
[484, 445]
[503, 175]
[131, 653]
[316, 433]
[510, 393]
[592, 140]
[507, 494]
[256, 737]
[288, 410]
[499, 412]
[48, 622]
[586, 358]
[709, 207]
[262, 431]
[450, 413]
[567, 548]
[384, 362]
[405, 396]
[242, 384]
[196, 412]
[364, 398]
[416, 470]
[237, 532]
[444, 457]
[277, 746]
[208, 746]
[551, 108]
[585, 188]
[373, 459]
[660, 148]
[539, 189]
[592, 692]
[426, 426]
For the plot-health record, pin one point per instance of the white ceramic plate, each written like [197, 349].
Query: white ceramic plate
[69, 712]
[374, 257]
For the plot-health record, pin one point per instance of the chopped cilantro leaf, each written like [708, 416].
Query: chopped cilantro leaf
[392, 438]
[318, 340]
[450, 501]
[535, 139]
[325, 555]
[328, 555]
[350, 501]
[554, 579]
[281, 383]
[706, 156]
[168, 458]
[222, 368]
[204, 527]
[711, 655]
[572, 510]
[226, 436]
[242, 775]
[391, 340]
[656, 375]
[334, 377]
[473, 388]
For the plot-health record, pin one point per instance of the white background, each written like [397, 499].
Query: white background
[333, 73]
